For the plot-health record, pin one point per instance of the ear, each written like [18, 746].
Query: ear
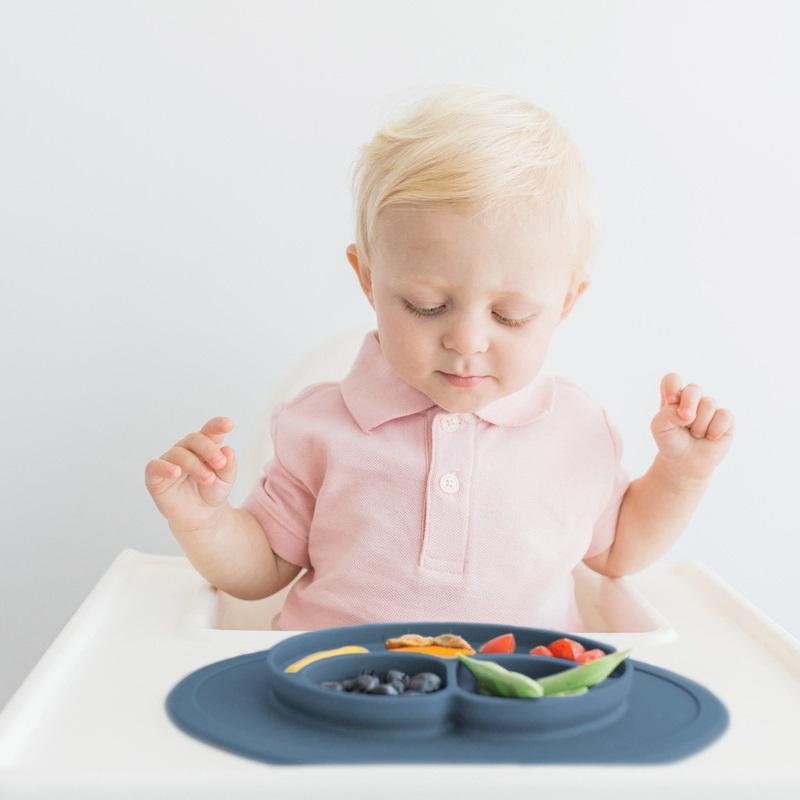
[362, 272]
[575, 291]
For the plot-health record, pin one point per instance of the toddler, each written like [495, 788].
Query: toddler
[445, 477]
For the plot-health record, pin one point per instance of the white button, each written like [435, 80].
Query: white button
[451, 422]
[449, 483]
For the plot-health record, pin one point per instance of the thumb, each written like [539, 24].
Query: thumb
[216, 492]
[228, 472]
[667, 420]
[671, 388]
[160, 475]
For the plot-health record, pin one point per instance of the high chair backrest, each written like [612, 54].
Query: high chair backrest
[329, 362]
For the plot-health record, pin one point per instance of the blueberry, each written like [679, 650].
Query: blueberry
[425, 682]
[333, 685]
[348, 684]
[363, 683]
[399, 685]
[383, 688]
[398, 675]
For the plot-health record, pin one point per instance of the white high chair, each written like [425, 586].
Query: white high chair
[606, 604]
[89, 720]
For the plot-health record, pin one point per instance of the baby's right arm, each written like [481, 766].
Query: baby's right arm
[190, 484]
[234, 555]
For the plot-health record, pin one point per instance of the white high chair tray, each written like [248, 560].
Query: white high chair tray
[89, 721]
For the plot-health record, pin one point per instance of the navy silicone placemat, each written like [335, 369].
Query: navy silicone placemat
[230, 704]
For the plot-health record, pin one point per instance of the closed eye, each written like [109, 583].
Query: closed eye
[435, 312]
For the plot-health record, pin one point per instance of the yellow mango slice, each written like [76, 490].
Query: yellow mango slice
[312, 657]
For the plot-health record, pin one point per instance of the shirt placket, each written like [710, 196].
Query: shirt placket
[444, 542]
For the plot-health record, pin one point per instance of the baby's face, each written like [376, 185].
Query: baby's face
[455, 293]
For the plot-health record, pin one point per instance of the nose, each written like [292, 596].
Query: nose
[466, 335]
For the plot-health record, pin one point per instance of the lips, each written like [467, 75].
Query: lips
[463, 381]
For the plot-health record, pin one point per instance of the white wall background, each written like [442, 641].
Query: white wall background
[174, 210]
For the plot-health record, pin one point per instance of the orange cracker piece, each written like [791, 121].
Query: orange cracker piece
[409, 640]
[452, 640]
[436, 650]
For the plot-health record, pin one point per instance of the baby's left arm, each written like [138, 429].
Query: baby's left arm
[693, 436]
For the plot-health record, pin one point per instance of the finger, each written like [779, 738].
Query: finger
[228, 472]
[217, 428]
[159, 474]
[665, 420]
[690, 397]
[705, 411]
[722, 424]
[203, 447]
[670, 388]
[190, 463]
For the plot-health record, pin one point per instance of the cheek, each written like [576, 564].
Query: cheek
[525, 354]
[403, 327]
[405, 339]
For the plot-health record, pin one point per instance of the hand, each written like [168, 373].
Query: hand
[191, 481]
[692, 434]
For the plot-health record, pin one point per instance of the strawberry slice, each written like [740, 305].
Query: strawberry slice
[541, 650]
[566, 648]
[500, 644]
[589, 655]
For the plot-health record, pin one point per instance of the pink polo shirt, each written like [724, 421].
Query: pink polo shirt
[400, 510]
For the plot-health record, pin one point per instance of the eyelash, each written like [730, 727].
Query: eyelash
[428, 312]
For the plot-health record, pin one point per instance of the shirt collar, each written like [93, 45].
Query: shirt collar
[374, 393]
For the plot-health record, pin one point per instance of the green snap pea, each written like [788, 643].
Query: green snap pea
[584, 676]
[582, 690]
[499, 681]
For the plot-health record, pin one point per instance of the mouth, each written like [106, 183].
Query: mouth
[464, 381]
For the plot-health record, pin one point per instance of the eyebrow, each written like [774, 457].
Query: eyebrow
[498, 294]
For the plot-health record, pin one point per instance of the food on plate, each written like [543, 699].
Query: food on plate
[312, 657]
[415, 640]
[434, 650]
[560, 648]
[500, 682]
[409, 640]
[586, 675]
[395, 682]
[446, 645]
[569, 649]
[566, 648]
[452, 640]
[589, 655]
[582, 690]
[500, 644]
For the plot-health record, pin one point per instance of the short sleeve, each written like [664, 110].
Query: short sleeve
[605, 526]
[282, 503]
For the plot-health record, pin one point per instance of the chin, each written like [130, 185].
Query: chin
[456, 405]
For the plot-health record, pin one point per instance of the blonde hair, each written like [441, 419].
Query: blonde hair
[466, 146]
